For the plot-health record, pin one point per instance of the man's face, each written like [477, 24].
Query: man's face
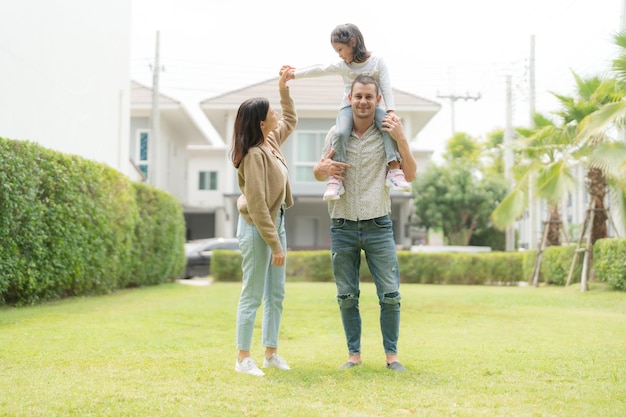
[364, 100]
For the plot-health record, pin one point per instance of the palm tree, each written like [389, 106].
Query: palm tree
[600, 146]
[543, 166]
[593, 93]
[613, 113]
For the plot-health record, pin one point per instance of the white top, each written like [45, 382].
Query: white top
[375, 67]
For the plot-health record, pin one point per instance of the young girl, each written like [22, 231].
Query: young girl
[348, 42]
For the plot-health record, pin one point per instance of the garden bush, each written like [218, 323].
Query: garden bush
[74, 227]
[610, 262]
[427, 268]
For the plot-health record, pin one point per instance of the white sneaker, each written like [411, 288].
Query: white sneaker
[334, 189]
[396, 181]
[248, 366]
[276, 361]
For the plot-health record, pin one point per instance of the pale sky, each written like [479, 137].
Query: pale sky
[433, 48]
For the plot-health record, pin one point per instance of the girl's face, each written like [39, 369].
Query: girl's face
[345, 51]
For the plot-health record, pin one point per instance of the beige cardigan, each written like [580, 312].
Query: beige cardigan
[261, 180]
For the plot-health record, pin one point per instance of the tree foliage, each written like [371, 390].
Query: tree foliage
[458, 199]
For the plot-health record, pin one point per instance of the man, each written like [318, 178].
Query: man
[360, 220]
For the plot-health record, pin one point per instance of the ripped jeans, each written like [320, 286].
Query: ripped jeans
[375, 238]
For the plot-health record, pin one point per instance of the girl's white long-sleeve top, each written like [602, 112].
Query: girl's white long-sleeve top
[375, 67]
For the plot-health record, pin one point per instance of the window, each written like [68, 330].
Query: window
[142, 151]
[308, 147]
[207, 180]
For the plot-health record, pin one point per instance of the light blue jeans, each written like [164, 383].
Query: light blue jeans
[343, 128]
[262, 282]
[375, 237]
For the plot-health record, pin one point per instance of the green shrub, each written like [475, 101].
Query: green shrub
[609, 262]
[556, 263]
[528, 265]
[502, 268]
[69, 227]
[493, 268]
[461, 268]
[158, 253]
[226, 265]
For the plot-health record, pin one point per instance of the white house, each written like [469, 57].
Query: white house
[177, 131]
[64, 77]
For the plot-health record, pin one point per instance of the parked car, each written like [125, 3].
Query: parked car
[199, 254]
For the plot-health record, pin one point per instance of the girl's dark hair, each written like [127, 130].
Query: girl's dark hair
[248, 131]
[343, 34]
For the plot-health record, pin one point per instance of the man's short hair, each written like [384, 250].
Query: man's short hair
[365, 79]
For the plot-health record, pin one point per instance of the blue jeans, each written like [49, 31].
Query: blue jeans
[375, 237]
[343, 128]
[262, 282]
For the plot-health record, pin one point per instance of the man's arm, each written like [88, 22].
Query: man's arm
[396, 130]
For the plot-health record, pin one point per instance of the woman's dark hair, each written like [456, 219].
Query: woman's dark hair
[248, 131]
[343, 34]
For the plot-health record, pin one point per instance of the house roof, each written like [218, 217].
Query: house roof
[141, 95]
[178, 118]
[315, 97]
[317, 92]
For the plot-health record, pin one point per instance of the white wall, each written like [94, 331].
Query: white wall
[65, 76]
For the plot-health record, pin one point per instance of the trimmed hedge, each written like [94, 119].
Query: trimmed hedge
[609, 262]
[74, 227]
[425, 268]
[494, 268]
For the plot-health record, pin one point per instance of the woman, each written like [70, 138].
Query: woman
[263, 178]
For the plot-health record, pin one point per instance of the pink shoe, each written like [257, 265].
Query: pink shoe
[334, 189]
[396, 181]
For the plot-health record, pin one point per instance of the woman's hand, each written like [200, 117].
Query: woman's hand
[284, 76]
[278, 259]
[291, 72]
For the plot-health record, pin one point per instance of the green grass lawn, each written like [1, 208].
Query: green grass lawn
[169, 350]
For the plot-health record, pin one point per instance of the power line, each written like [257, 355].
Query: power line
[453, 98]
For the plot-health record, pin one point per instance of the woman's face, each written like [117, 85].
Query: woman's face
[271, 121]
[345, 51]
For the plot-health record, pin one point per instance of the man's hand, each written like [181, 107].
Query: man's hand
[326, 167]
[392, 124]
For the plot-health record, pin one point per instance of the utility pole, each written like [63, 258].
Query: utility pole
[508, 158]
[453, 98]
[153, 141]
[533, 204]
[622, 133]
[531, 78]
